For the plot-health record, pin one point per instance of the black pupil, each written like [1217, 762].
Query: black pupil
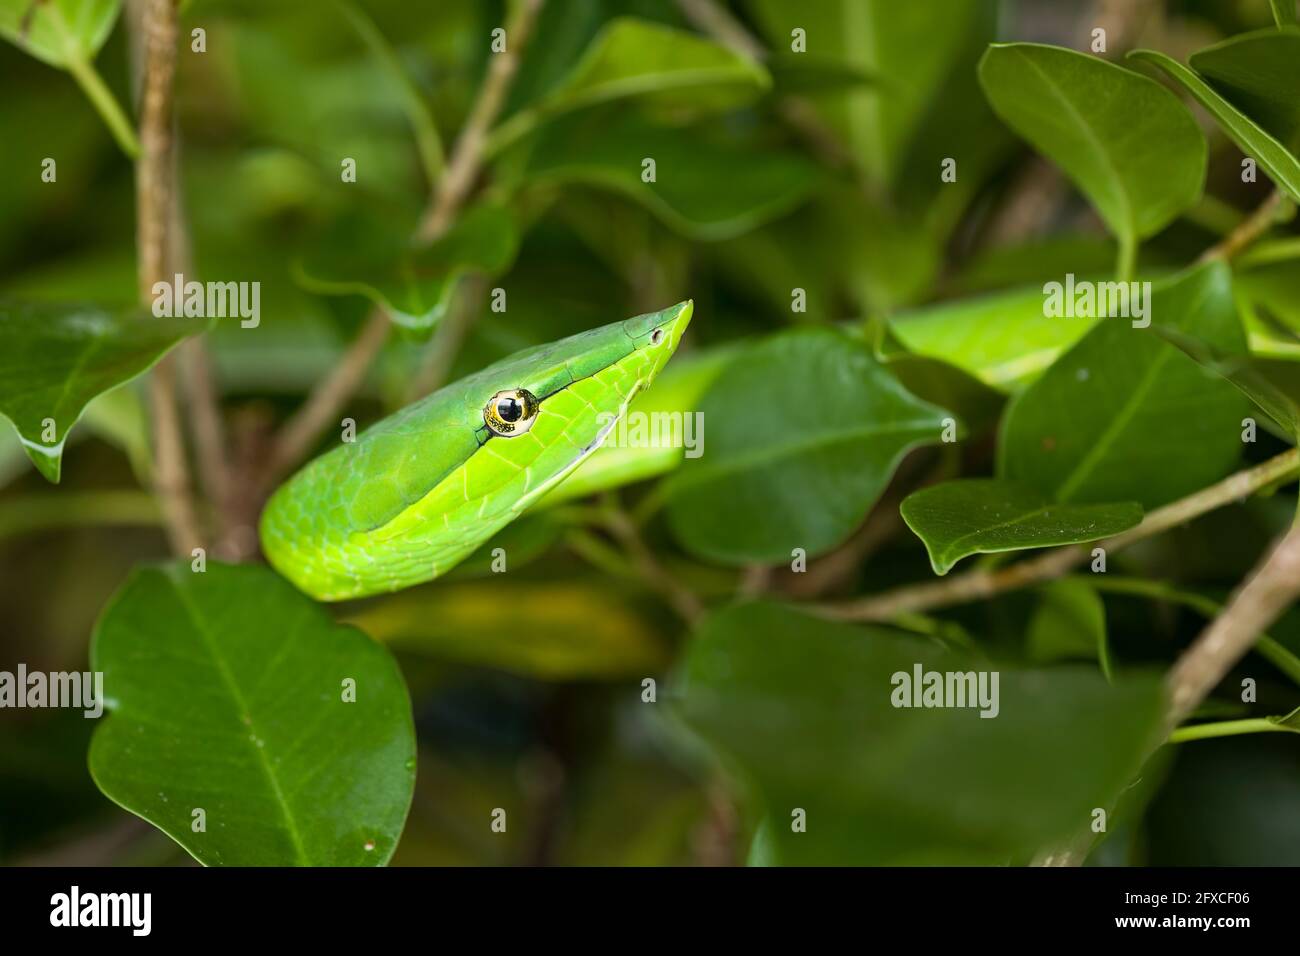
[510, 409]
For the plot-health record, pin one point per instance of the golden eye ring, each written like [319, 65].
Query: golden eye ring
[510, 413]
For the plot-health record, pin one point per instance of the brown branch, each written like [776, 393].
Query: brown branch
[684, 601]
[882, 523]
[201, 400]
[155, 192]
[326, 400]
[1273, 210]
[435, 366]
[208, 429]
[329, 397]
[1264, 595]
[1270, 589]
[716, 21]
[979, 584]
[467, 155]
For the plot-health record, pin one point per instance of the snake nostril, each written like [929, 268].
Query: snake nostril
[656, 336]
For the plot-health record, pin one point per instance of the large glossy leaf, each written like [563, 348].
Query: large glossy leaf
[705, 187]
[549, 631]
[1128, 143]
[228, 693]
[1280, 164]
[802, 432]
[986, 516]
[415, 285]
[804, 707]
[1260, 73]
[1123, 416]
[55, 358]
[62, 33]
[1003, 339]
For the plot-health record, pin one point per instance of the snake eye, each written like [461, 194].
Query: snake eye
[511, 412]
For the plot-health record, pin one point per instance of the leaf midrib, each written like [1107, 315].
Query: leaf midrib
[245, 713]
[1091, 136]
[1019, 519]
[1121, 421]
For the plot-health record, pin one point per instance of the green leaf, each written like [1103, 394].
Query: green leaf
[1069, 623]
[882, 784]
[1122, 416]
[1280, 164]
[1283, 11]
[415, 285]
[1002, 339]
[705, 187]
[666, 67]
[1127, 142]
[54, 358]
[1289, 721]
[58, 32]
[1260, 73]
[1033, 261]
[554, 631]
[228, 693]
[977, 405]
[1267, 283]
[668, 71]
[987, 516]
[914, 48]
[802, 432]
[1273, 385]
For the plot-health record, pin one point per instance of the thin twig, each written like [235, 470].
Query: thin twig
[435, 365]
[1276, 208]
[882, 523]
[155, 186]
[979, 584]
[685, 602]
[208, 430]
[467, 154]
[329, 397]
[755, 580]
[716, 21]
[1269, 590]
[200, 389]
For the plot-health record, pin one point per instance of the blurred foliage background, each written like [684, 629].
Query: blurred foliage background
[533, 702]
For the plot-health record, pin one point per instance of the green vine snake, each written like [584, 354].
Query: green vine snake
[421, 490]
